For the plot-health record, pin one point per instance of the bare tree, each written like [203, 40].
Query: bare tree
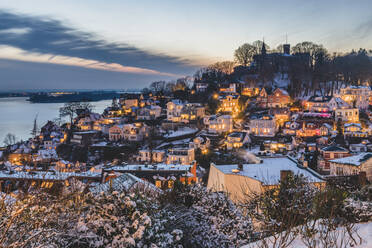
[72, 108]
[258, 46]
[226, 67]
[10, 139]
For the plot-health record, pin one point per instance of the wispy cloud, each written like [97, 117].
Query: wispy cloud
[40, 36]
[364, 30]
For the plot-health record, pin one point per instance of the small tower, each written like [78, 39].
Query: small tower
[263, 49]
[286, 46]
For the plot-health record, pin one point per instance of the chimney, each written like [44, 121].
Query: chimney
[362, 178]
[305, 164]
[284, 174]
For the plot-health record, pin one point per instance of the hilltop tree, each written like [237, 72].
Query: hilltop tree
[226, 67]
[258, 46]
[244, 54]
[72, 108]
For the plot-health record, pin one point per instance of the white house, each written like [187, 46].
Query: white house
[264, 126]
[184, 112]
[158, 156]
[347, 114]
[358, 95]
[237, 140]
[150, 112]
[246, 180]
[218, 124]
[352, 165]
[132, 132]
[174, 110]
[181, 155]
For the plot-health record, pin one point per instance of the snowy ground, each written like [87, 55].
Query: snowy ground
[364, 230]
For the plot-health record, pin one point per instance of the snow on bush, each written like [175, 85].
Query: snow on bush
[122, 219]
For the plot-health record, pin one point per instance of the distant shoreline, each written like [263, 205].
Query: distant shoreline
[62, 97]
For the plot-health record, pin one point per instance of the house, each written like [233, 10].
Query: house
[324, 103]
[356, 96]
[162, 175]
[49, 143]
[250, 91]
[275, 146]
[149, 112]
[352, 165]
[317, 104]
[135, 131]
[131, 132]
[246, 180]
[354, 130]
[264, 126]
[201, 143]
[281, 115]
[291, 127]
[116, 132]
[87, 122]
[325, 129]
[191, 112]
[45, 156]
[201, 87]
[262, 98]
[154, 156]
[174, 109]
[84, 137]
[229, 103]
[308, 129]
[20, 157]
[337, 103]
[181, 155]
[228, 88]
[237, 140]
[218, 124]
[347, 114]
[278, 99]
[357, 148]
[329, 153]
[46, 179]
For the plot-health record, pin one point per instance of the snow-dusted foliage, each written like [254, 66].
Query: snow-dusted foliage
[83, 220]
[208, 219]
[199, 218]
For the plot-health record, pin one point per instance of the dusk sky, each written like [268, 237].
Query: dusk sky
[70, 44]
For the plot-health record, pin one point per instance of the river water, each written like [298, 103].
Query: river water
[17, 115]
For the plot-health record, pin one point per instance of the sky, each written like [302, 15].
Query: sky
[119, 44]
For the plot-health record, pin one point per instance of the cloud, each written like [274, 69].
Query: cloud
[364, 30]
[30, 75]
[41, 36]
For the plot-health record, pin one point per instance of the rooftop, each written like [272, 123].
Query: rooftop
[356, 160]
[268, 172]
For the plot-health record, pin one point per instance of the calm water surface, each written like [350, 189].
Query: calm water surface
[17, 115]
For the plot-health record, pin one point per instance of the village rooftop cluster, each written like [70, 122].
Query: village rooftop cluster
[226, 134]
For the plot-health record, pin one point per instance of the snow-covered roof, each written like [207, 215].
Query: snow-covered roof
[122, 183]
[268, 172]
[47, 175]
[181, 132]
[352, 124]
[159, 167]
[356, 160]
[334, 149]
